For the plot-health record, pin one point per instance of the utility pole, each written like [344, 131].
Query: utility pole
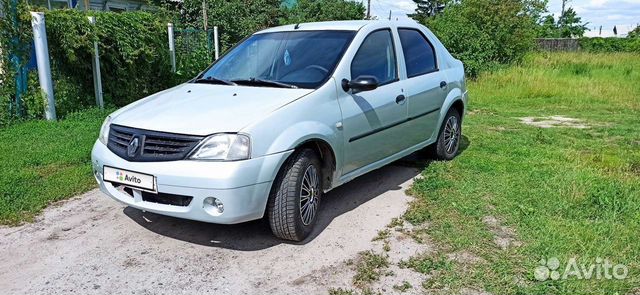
[389, 14]
[368, 9]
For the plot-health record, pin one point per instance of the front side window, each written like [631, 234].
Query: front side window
[419, 55]
[376, 57]
[305, 59]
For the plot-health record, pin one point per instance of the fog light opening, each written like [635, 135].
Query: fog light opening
[213, 206]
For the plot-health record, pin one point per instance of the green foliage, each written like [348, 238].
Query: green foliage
[70, 39]
[15, 36]
[133, 61]
[132, 66]
[322, 10]
[427, 8]
[570, 24]
[635, 33]
[194, 51]
[486, 33]
[235, 19]
[610, 44]
[548, 28]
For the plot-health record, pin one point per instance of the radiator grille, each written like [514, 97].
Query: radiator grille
[151, 146]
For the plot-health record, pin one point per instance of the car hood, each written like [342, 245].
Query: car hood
[203, 109]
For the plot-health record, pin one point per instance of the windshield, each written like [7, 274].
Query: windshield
[303, 59]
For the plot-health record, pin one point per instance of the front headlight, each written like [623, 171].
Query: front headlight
[224, 146]
[104, 130]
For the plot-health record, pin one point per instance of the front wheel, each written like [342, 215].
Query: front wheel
[446, 148]
[295, 198]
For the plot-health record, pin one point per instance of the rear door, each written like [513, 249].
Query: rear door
[425, 86]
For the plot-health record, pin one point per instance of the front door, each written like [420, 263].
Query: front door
[371, 119]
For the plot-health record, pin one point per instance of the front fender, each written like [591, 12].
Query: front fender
[301, 132]
[313, 117]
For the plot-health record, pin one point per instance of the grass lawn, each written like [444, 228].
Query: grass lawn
[42, 162]
[559, 192]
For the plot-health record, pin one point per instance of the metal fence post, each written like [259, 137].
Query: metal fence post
[95, 62]
[172, 49]
[215, 41]
[44, 68]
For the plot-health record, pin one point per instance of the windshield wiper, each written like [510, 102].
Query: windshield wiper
[258, 81]
[214, 80]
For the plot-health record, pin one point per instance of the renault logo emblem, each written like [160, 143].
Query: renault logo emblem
[133, 147]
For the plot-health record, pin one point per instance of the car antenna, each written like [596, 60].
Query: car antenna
[296, 26]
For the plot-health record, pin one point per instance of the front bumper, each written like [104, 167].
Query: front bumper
[242, 186]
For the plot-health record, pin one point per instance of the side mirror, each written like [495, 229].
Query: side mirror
[362, 83]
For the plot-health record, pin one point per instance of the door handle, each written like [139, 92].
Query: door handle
[400, 99]
[443, 84]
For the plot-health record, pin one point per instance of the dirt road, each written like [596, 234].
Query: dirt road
[94, 245]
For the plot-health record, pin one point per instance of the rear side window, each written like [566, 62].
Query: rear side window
[419, 55]
[376, 57]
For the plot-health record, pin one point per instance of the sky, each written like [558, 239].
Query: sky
[624, 14]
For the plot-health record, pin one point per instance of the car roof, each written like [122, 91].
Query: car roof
[347, 25]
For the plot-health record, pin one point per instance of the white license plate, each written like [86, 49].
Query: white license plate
[129, 178]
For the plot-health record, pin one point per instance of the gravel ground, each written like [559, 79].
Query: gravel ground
[93, 245]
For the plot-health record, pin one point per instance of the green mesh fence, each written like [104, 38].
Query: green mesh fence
[194, 50]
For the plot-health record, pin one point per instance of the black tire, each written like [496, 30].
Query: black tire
[286, 197]
[441, 150]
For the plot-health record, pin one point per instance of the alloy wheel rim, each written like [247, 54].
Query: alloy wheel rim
[309, 194]
[451, 135]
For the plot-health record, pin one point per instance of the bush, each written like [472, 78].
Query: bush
[14, 50]
[610, 44]
[486, 33]
[235, 19]
[322, 10]
[134, 59]
[132, 62]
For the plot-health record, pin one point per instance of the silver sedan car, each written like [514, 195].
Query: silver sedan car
[285, 116]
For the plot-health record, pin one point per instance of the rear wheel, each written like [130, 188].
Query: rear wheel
[446, 148]
[295, 197]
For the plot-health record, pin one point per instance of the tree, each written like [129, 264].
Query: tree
[635, 33]
[427, 8]
[548, 28]
[322, 10]
[486, 33]
[570, 24]
[236, 19]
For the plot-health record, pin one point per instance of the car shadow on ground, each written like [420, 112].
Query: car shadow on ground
[256, 235]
